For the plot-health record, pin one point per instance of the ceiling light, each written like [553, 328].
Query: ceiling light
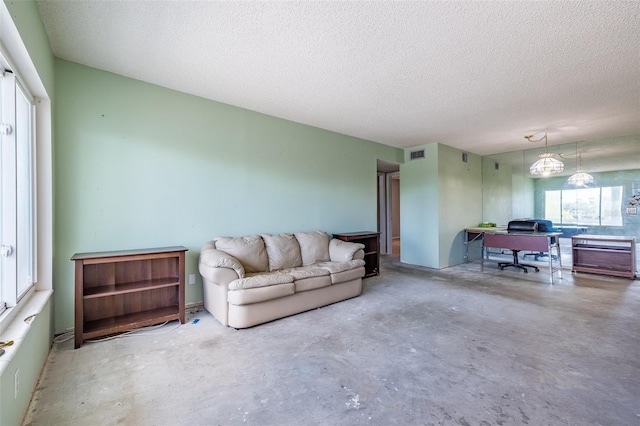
[546, 165]
[580, 177]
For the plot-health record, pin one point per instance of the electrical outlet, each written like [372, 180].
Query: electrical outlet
[192, 278]
[16, 383]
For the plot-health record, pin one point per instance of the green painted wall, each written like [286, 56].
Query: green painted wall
[27, 19]
[496, 192]
[460, 188]
[419, 200]
[440, 195]
[139, 165]
[508, 191]
[32, 351]
[28, 359]
[522, 200]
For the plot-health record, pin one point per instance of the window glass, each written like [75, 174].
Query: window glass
[581, 206]
[17, 271]
[553, 206]
[611, 213]
[24, 136]
[585, 206]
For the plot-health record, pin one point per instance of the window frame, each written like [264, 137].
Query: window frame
[18, 208]
[37, 82]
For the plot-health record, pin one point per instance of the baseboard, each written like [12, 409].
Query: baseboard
[194, 307]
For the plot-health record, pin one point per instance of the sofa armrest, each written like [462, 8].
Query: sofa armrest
[212, 260]
[343, 251]
[359, 255]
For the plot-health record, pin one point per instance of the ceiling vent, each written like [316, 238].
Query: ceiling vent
[415, 155]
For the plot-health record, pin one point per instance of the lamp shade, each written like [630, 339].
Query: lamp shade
[580, 178]
[546, 165]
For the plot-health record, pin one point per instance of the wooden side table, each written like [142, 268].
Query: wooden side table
[371, 241]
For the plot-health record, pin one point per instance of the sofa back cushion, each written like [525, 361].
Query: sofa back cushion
[283, 251]
[314, 246]
[250, 251]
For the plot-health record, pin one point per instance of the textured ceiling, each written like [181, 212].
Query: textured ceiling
[477, 76]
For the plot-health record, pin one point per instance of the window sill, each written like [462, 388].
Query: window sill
[17, 323]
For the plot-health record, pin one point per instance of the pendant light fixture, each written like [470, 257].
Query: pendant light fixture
[546, 165]
[580, 177]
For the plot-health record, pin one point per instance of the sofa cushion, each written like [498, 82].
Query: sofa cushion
[262, 279]
[314, 246]
[335, 267]
[283, 251]
[343, 251]
[259, 294]
[312, 283]
[250, 251]
[351, 274]
[306, 272]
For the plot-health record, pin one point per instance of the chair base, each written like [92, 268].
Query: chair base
[516, 264]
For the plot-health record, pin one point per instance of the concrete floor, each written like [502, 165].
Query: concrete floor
[420, 346]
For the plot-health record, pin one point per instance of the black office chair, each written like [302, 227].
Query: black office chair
[520, 226]
[543, 226]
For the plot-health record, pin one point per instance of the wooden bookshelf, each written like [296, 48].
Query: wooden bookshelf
[123, 290]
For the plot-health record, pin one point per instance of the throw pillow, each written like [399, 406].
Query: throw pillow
[314, 246]
[283, 251]
[343, 251]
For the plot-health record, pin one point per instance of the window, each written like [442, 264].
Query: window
[17, 231]
[586, 206]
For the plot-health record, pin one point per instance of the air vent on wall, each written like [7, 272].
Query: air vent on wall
[464, 157]
[417, 154]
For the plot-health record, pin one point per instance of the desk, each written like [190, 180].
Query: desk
[530, 241]
[472, 235]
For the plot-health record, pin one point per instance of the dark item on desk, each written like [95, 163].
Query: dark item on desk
[520, 226]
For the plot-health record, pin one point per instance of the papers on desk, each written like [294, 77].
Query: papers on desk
[483, 230]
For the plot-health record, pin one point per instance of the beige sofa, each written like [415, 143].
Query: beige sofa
[258, 278]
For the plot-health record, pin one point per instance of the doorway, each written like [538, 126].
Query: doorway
[389, 207]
